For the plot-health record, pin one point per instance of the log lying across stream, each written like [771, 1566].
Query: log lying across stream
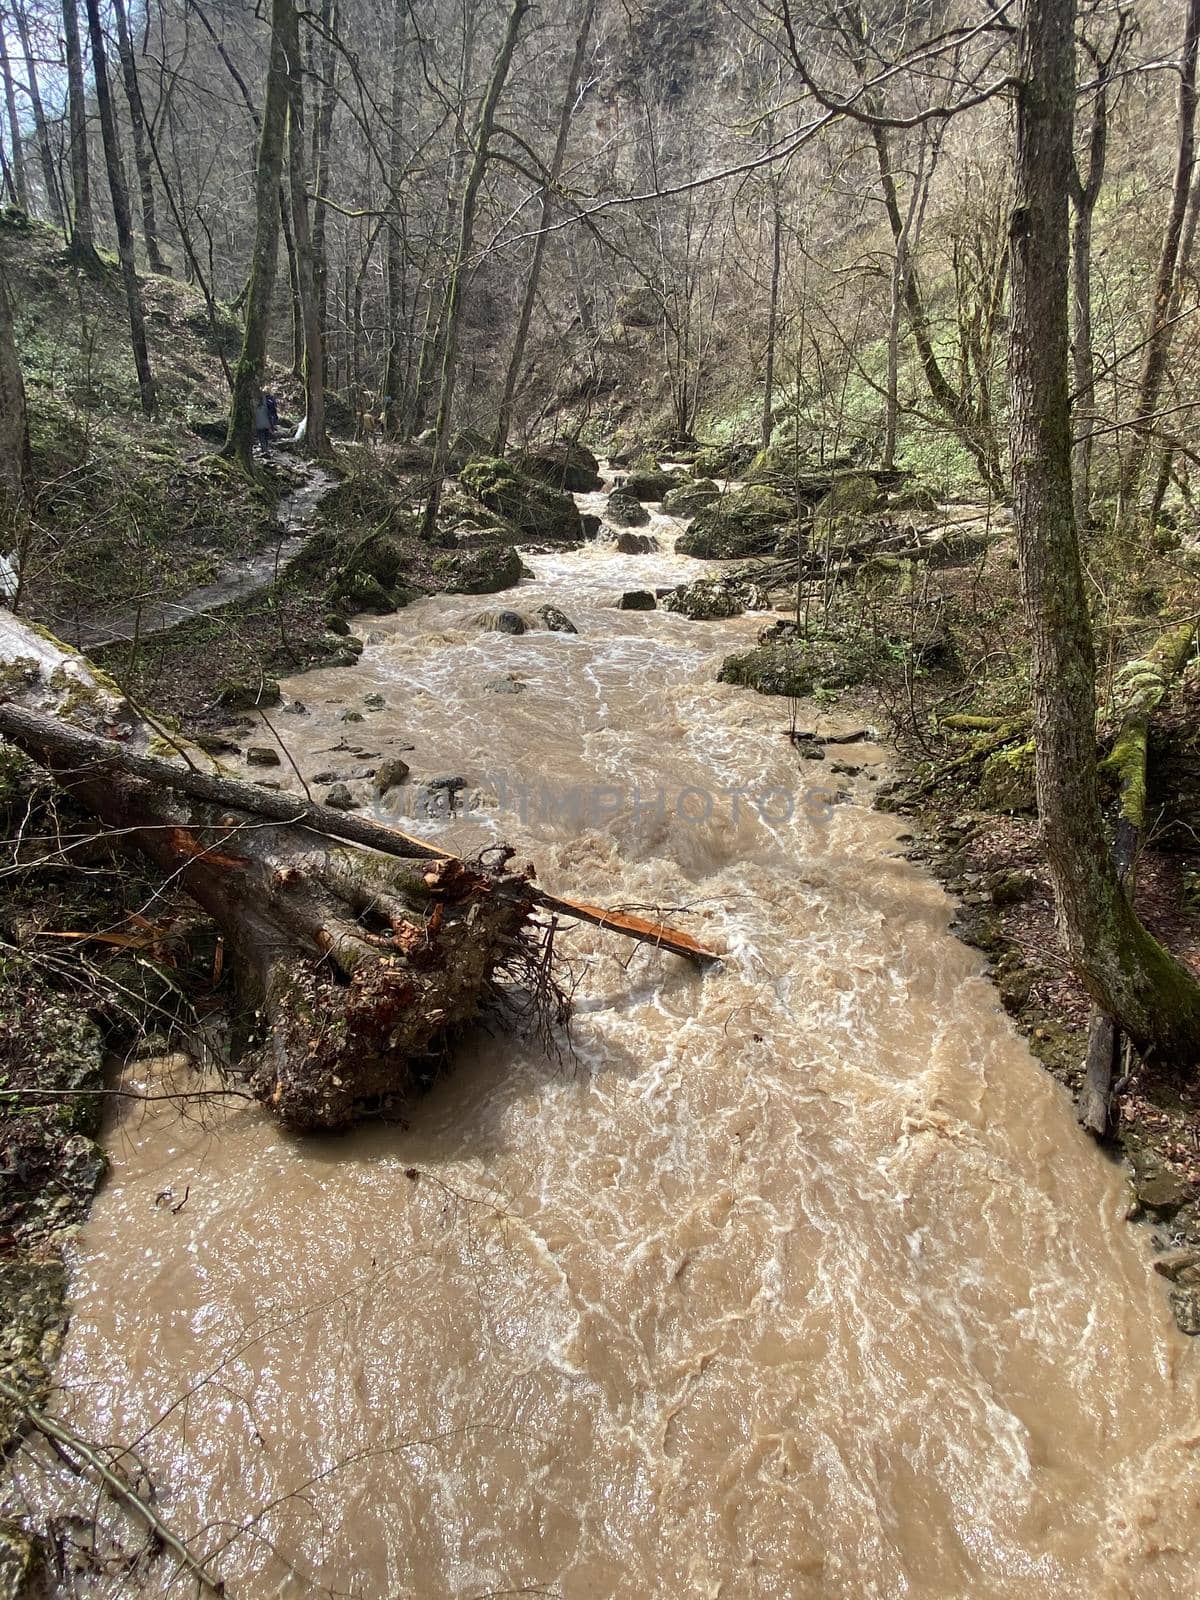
[359, 952]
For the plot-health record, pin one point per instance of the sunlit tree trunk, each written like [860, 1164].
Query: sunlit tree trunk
[529, 299]
[239, 442]
[315, 439]
[393, 255]
[20, 187]
[1129, 975]
[83, 236]
[466, 233]
[41, 130]
[120, 205]
[137, 124]
[14, 431]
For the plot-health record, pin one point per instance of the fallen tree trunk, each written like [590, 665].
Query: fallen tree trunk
[356, 967]
[1141, 687]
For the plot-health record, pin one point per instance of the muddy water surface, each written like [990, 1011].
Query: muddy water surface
[795, 1280]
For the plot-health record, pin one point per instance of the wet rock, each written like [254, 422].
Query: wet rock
[636, 544]
[500, 622]
[555, 620]
[1006, 782]
[691, 497]
[246, 694]
[390, 774]
[295, 708]
[1180, 1265]
[336, 624]
[340, 798]
[637, 600]
[374, 702]
[1185, 1303]
[261, 755]
[359, 591]
[1157, 1187]
[376, 636]
[349, 716]
[649, 482]
[797, 667]
[592, 524]
[485, 570]
[505, 685]
[19, 1561]
[214, 745]
[706, 600]
[325, 777]
[537, 511]
[624, 510]
[739, 525]
[565, 464]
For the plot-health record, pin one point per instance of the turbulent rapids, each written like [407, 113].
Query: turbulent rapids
[793, 1279]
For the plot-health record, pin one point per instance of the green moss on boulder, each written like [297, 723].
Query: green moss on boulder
[741, 524]
[534, 510]
[625, 510]
[691, 497]
[1007, 780]
[565, 464]
[485, 570]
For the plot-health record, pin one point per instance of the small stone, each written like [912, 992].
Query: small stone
[336, 624]
[376, 636]
[504, 686]
[325, 777]
[446, 785]
[390, 774]
[637, 600]
[1185, 1303]
[340, 798]
[1157, 1186]
[246, 694]
[374, 702]
[296, 708]
[501, 622]
[1174, 1263]
[555, 620]
[261, 755]
[349, 716]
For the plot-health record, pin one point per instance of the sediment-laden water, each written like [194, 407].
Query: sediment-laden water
[795, 1280]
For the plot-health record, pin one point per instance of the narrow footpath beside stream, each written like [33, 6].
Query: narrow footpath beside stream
[795, 1280]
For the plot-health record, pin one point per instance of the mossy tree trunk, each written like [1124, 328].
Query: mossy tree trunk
[247, 375]
[466, 234]
[17, 143]
[83, 235]
[546, 212]
[14, 429]
[120, 205]
[1128, 974]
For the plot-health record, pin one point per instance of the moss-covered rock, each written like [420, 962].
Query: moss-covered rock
[649, 482]
[359, 591]
[796, 667]
[247, 694]
[706, 600]
[691, 497]
[1006, 782]
[637, 600]
[486, 570]
[851, 494]
[565, 464]
[741, 524]
[533, 509]
[555, 621]
[625, 510]
[723, 460]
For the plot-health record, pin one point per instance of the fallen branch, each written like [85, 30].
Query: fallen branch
[66, 1444]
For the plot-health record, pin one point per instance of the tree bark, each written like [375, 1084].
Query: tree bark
[83, 235]
[393, 411]
[137, 124]
[121, 216]
[325, 52]
[466, 232]
[529, 299]
[1128, 974]
[41, 130]
[14, 429]
[20, 186]
[247, 376]
[316, 441]
[1158, 342]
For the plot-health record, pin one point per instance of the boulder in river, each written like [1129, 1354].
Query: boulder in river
[565, 464]
[501, 622]
[339, 798]
[797, 667]
[556, 621]
[691, 497]
[485, 570]
[262, 755]
[246, 694]
[706, 600]
[625, 510]
[637, 600]
[390, 774]
[636, 544]
[536, 511]
[741, 524]
[649, 483]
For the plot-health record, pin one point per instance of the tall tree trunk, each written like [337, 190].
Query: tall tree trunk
[1127, 973]
[120, 205]
[14, 430]
[325, 52]
[517, 357]
[768, 410]
[247, 376]
[316, 441]
[83, 235]
[1158, 341]
[40, 126]
[20, 186]
[466, 233]
[393, 257]
[137, 124]
[1085, 191]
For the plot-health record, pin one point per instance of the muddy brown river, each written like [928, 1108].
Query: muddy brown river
[794, 1280]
